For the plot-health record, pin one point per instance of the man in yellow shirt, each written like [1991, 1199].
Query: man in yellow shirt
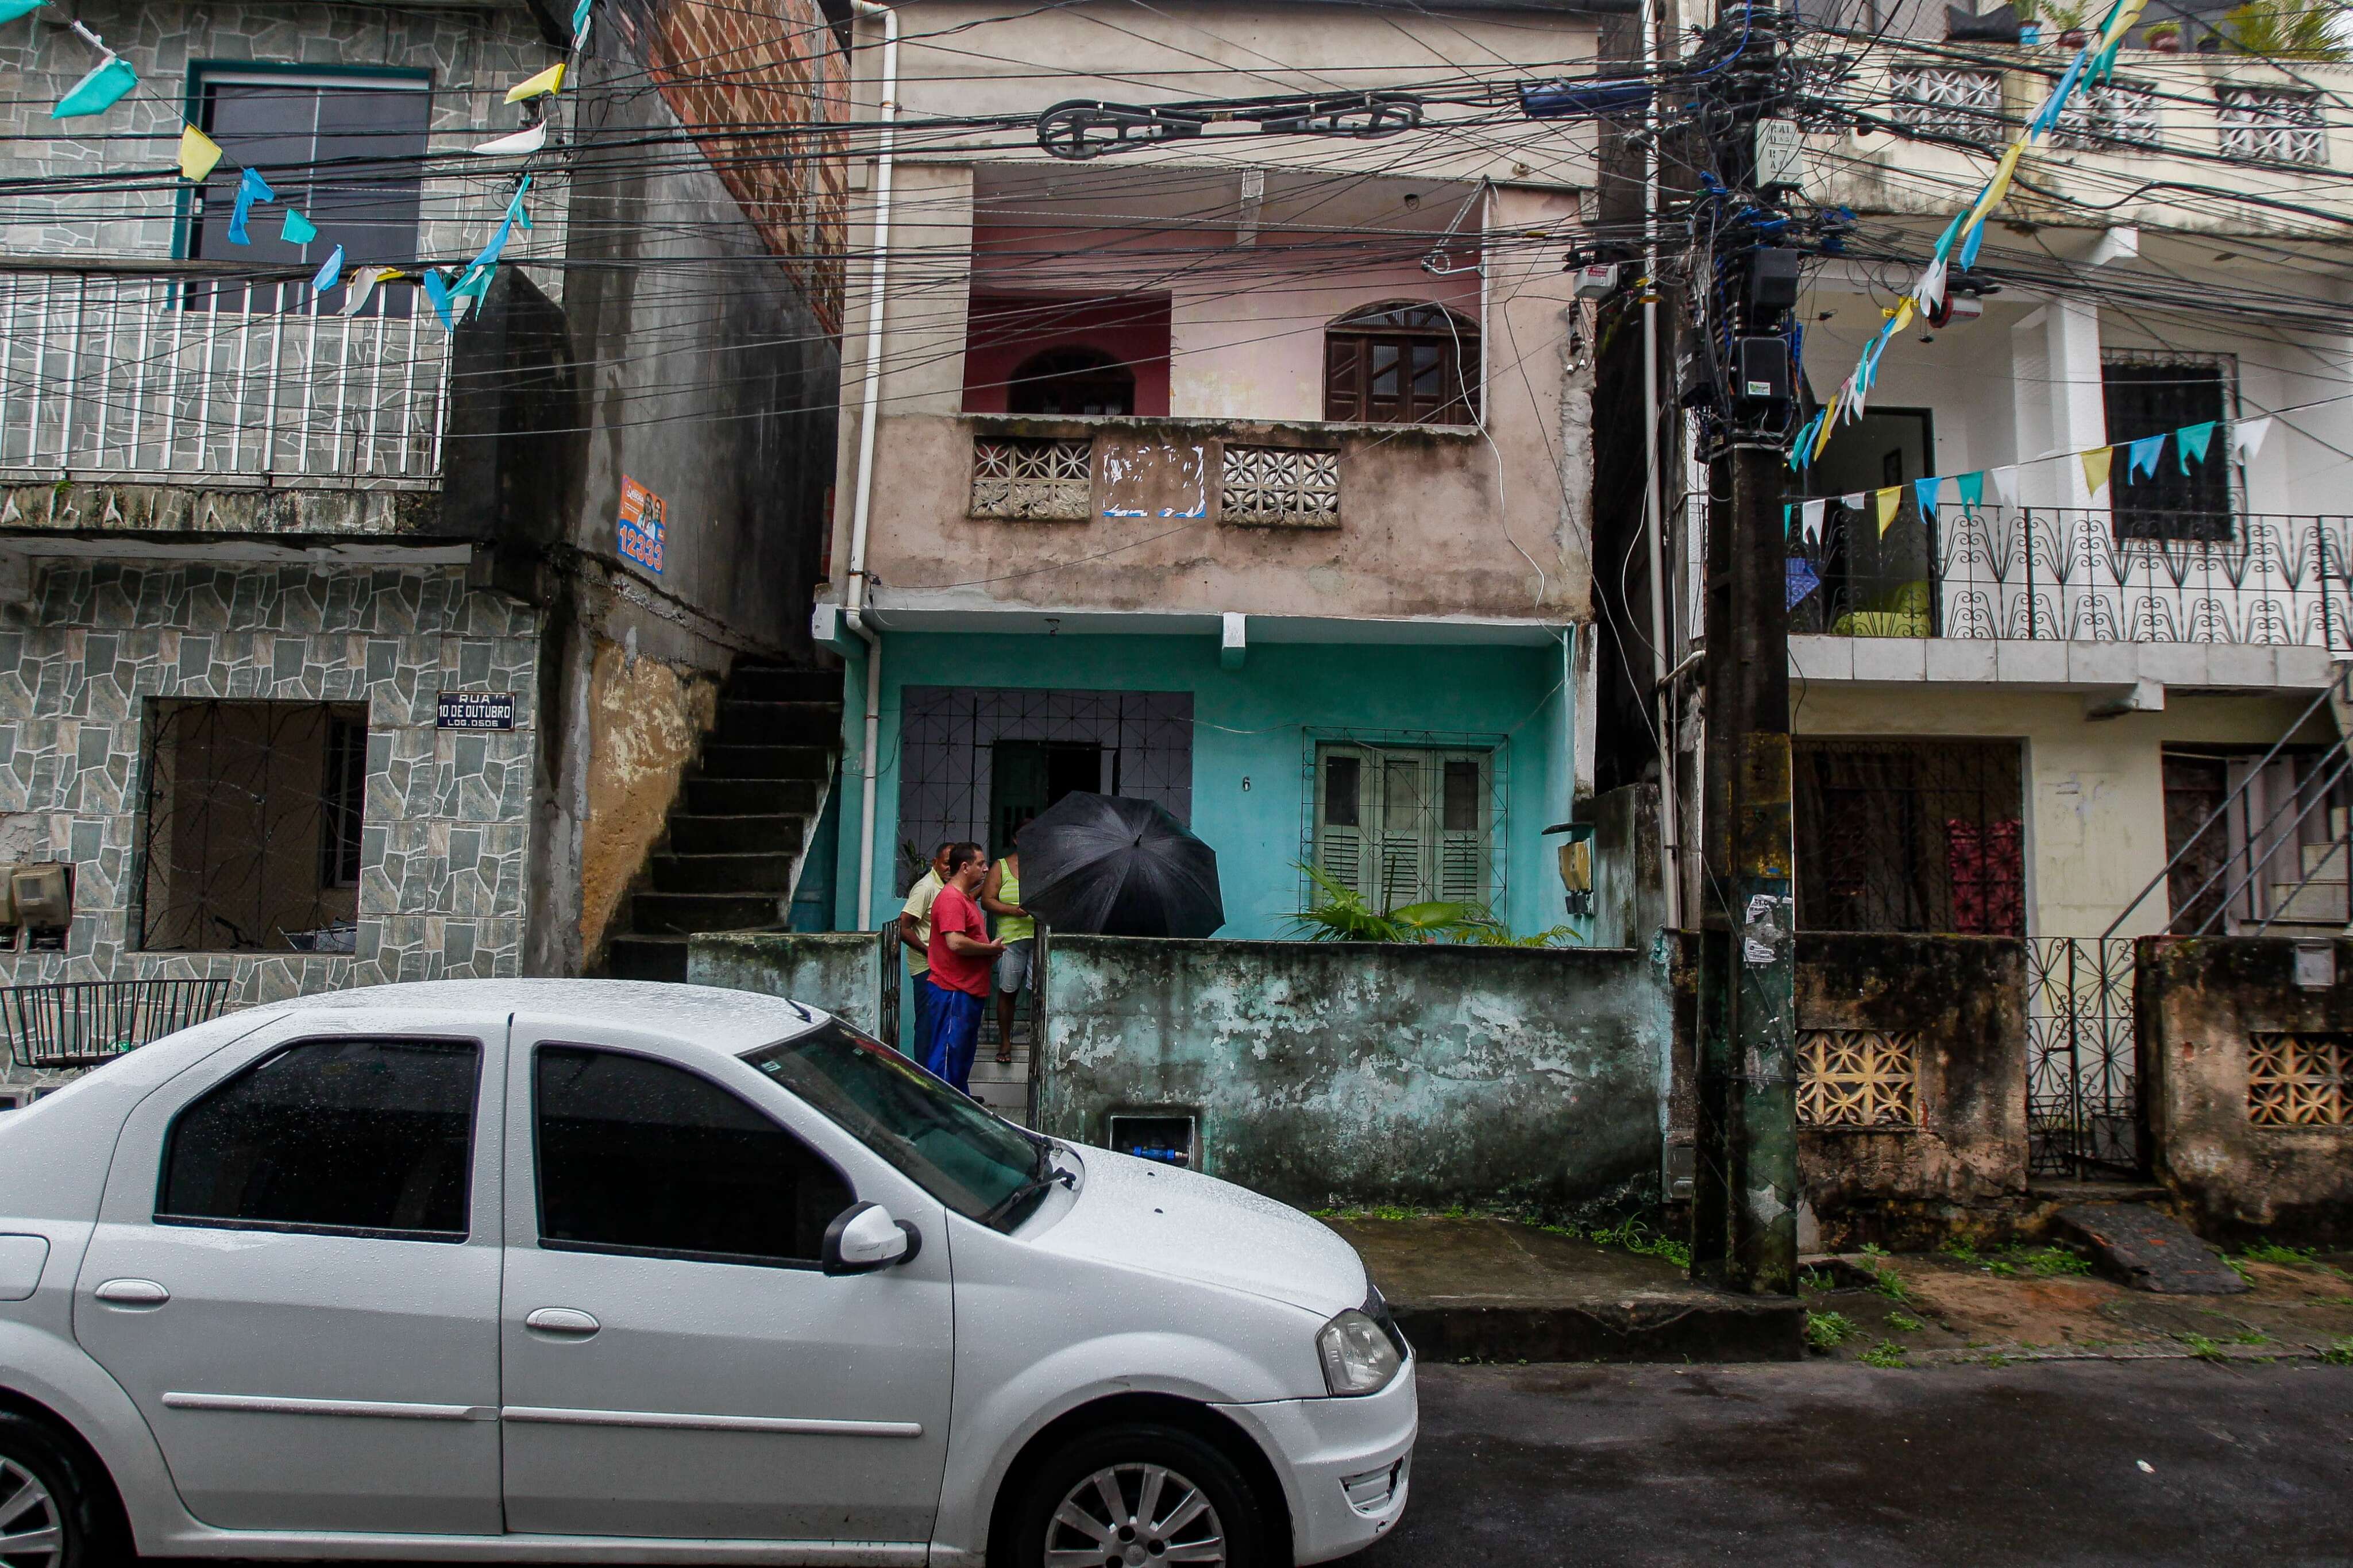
[915, 936]
[1001, 896]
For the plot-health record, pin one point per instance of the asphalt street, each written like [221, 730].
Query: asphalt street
[2042, 1463]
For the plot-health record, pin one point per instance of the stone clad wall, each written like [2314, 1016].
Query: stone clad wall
[2249, 1089]
[446, 814]
[1359, 1073]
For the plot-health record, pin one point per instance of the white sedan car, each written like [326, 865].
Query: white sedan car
[592, 1270]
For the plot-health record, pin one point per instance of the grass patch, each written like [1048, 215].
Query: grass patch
[2203, 1348]
[1904, 1323]
[1960, 1251]
[1890, 1283]
[1887, 1352]
[1815, 1279]
[2338, 1353]
[1827, 1330]
[1633, 1236]
[2272, 1252]
[2250, 1337]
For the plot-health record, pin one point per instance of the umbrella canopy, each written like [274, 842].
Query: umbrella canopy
[1117, 866]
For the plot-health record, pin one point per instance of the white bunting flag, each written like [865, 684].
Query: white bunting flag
[2247, 437]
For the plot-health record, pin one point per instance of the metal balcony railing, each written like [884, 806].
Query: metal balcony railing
[2063, 573]
[109, 374]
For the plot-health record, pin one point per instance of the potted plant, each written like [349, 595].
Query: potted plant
[2067, 20]
[2165, 37]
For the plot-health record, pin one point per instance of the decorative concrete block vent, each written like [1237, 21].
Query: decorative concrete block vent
[1279, 487]
[1858, 1078]
[2298, 1079]
[1033, 479]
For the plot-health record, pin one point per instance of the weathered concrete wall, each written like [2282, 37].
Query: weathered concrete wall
[646, 720]
[2210, 1013]
[1958, 1003]
[840, 971]
[1630, 901]
[1368, 1073]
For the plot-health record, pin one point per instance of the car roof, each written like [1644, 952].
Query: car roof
[707, 1016]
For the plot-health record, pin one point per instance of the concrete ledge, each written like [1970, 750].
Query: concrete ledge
[2054, 666]
[1488, 1289]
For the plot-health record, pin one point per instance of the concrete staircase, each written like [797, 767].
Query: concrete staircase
[736, 837]
[1003, 1086]
[2320, 906]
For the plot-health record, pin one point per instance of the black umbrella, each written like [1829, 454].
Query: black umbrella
[1117, 866]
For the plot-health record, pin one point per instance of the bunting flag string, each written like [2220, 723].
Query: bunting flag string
[2142, 457]
[113, 78]
[2092, 64]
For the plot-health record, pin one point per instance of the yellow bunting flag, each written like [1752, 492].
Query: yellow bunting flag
[2095, 467]
[547, 81]
[198, 154]
[1830, 418]
[1889, 499]
[1904, 312]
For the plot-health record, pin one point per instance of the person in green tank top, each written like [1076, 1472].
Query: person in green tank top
[1001, 896]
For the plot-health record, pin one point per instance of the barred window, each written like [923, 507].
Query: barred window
[254, 816]
[1406, 825]
[2150, 395]
[1909, 835]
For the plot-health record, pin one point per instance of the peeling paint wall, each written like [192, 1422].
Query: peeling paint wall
[1363, 1073]
[646, 720]
[2200, 1004]
[840, 971]
[1961, 1000]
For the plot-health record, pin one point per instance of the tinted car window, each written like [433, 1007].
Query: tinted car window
[346, 1135]
[639, 1156]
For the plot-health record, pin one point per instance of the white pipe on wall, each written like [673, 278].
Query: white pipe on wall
[870, 401]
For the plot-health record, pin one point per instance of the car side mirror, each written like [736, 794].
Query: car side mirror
[864, 1237]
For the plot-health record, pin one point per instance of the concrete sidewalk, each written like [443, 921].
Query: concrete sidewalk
[1474, 1289]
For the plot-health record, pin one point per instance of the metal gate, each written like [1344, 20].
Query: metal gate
[2083, 1079]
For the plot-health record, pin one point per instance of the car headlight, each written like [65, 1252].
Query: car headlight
[1357, 1354]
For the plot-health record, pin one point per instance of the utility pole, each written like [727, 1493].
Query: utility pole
[1745, 1214]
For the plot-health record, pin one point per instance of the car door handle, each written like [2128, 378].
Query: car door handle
[563, 1322]
[133, 1293]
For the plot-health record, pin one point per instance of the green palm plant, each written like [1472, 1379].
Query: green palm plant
[2284, 29]
[1340, 913]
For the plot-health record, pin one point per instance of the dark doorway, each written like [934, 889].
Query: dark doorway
[1025, 778]
[1872, 583]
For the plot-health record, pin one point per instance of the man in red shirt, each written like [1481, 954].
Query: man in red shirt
[961, 955]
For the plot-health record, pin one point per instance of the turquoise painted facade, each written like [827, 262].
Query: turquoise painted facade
[1251, 739]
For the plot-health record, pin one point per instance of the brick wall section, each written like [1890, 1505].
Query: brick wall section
[744, 75]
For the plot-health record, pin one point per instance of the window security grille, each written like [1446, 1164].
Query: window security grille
[2148, 394]
[1406, 826]
[1909, 835]
[252, 830]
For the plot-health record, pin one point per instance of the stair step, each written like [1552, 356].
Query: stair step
[753, 873]
[687, 913]
[2325, 862]
[723, 761]
[751, 797]
[779, 724]
[2315, 903]
[770, 683]
[635, 957]
[694, 834]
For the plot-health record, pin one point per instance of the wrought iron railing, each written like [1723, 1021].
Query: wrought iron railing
[106, 374]
[2082, 1058]
[2063, 573]
[80, 1023]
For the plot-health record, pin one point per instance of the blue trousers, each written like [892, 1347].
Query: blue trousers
[919, 1036]
[955, 1032]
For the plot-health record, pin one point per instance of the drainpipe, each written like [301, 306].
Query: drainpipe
[870, 398]
[1654, 513]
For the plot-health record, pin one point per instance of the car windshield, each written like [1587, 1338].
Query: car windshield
[984, 1168]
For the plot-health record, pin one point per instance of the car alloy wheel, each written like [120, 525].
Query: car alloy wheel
[1134, 1515]
[32, 1529]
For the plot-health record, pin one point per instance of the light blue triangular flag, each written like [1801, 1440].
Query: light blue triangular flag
[329, 275]
[1970, 487]
[1968, 257]
[515, 212]
[250, 188]
[2048, 116]
[298, 229]
[2190, 442]
[436, 289]
[2141, 456]
[1802, 580]
[99, 91]
[476, 283]
[580, 22]
[12, 9]
[1926, 491]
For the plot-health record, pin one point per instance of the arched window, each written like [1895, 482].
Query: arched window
[1071, 381]
[1402, 363]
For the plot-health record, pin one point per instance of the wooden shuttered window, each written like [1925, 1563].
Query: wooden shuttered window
[1405, 825]
[1402, 364]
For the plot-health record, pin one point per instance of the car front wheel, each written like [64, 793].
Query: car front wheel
[1136, 1497]
[49, 1515]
